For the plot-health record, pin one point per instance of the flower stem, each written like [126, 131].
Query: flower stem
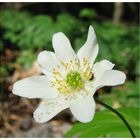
[119, 115]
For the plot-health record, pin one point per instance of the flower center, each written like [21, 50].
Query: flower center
[74, 79]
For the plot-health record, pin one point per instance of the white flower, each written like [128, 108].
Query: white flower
[70, 80]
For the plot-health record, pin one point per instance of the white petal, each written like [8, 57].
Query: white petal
[90, 49]
[83, 109]
[111, 78]
[49, 108]
[35, 87]
[100, 67]
[47, 61]
[62, 47]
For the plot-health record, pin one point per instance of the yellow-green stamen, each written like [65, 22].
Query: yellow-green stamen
[73, 79]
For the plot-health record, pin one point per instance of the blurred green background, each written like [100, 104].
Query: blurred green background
[27, 28]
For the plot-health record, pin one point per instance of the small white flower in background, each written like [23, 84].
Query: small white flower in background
[70, 80]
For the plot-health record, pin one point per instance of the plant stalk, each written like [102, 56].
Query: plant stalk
[119, 115]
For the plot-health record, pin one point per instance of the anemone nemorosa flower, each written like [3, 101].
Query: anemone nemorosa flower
[70, 79]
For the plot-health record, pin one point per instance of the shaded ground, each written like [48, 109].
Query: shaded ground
[16, 120]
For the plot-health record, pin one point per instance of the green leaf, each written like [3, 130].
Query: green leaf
[108, 124]
[90, 13]
[26, 59]
[123, 96]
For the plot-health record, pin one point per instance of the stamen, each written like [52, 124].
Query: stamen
[74, 80]
[87, 70]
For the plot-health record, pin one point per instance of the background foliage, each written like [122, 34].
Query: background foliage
[25, 32]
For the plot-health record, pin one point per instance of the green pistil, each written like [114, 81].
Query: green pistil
[74, 79]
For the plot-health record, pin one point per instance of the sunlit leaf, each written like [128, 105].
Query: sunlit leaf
[107, 124]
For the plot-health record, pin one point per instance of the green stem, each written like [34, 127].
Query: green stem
[119, 115]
